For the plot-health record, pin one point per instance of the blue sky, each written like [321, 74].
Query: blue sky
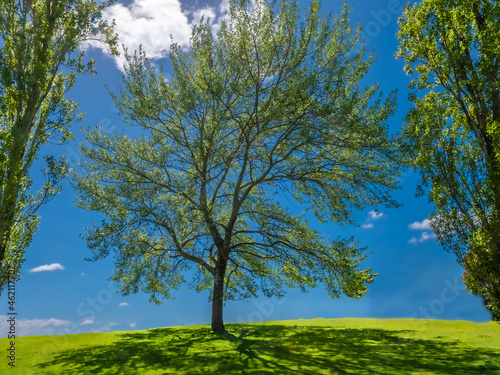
[62, 293]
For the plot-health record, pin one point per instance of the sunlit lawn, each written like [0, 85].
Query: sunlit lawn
[319, 346]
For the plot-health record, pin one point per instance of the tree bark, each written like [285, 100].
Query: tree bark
[218, 299]
[9, 200]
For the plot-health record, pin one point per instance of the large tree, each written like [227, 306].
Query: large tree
[37, 69]
[265, 109]
[453, 132]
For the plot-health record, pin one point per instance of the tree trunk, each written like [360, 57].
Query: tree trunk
[11, 187]
[218, 299]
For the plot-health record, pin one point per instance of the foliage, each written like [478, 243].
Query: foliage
[452, 134]
[38, 38]
[264, 109]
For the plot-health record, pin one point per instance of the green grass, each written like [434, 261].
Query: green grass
[318, 346]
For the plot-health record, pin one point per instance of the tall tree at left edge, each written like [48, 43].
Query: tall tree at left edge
[38, 66]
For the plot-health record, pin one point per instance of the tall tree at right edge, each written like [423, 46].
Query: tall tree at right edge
[453, 132]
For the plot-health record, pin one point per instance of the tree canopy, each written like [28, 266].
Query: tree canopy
[453, 132]
[259, 109]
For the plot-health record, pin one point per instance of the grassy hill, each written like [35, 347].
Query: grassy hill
[318, 346]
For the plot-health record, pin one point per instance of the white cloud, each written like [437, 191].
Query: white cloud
[420, 225]
[87, 322]
[132, 325]
[47, 267]
[123, 304]
[82, 274]
[427, 236]
[198, 13]
[151, 23]
[224, 6]
[423, 237]
[34, 327]
[374, 215]
[154, 24]
[423, 225]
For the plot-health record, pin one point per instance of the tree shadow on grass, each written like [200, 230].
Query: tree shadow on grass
[273, 349]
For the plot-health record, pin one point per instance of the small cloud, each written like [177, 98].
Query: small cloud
[427, 236]
[375, 215]
[423, 225]
[123, 304]
[423, 237]
[132, 325]
[372, 215]
[420, 225]
[87, 322]
[82, 274]
[47, 267]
